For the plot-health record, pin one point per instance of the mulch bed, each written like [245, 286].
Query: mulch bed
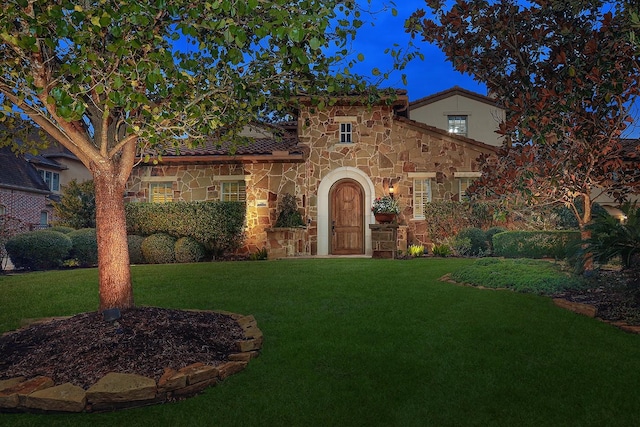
[614, 293]
[84, 348]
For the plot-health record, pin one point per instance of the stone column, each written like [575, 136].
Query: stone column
[383, 240]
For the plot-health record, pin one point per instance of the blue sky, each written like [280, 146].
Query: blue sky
[424, 78]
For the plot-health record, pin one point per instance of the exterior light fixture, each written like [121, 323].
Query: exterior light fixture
[391, 191]
[111, 314]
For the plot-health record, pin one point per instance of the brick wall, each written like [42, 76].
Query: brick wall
[25, 206]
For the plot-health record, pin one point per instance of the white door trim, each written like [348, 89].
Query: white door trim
[323, 205]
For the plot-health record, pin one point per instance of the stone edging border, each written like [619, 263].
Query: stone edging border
[576, 307]
[117, 391]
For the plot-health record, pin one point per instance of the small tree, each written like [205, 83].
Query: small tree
[77, 205]
[288, 215]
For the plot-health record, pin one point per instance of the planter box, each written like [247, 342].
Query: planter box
[287, 242]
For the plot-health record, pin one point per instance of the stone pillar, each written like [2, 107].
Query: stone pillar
[383, 240]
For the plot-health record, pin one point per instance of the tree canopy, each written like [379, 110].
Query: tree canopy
[566, 73]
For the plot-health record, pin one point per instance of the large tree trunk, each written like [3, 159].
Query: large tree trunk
[115, 286]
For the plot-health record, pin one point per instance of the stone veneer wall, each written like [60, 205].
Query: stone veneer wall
[384, 149]
[202, 182]
[387, 150]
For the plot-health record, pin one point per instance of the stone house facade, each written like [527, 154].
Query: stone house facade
[336, 161]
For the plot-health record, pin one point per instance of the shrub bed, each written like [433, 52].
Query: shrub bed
[535, 244]
[39, 250]
[188, 249]
[216, 225]
[159, 249]
[84, 246]
[134, 242]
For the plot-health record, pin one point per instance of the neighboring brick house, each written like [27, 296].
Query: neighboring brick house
[23, 193]
[29, 183]
[461, 111]
[335, 161]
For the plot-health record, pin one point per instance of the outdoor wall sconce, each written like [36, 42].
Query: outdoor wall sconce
[391, 191]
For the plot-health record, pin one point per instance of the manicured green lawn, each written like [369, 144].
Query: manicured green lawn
[361, 342]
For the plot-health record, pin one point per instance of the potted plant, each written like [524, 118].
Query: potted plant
[385, 209]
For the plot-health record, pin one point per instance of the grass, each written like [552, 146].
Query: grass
[356, 342]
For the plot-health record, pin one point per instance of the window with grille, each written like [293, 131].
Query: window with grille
[233, 191]
[345, 133]
[458, 125]
[161, 192]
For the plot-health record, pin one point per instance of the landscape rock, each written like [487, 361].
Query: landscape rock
[117, 387]
[63, 398]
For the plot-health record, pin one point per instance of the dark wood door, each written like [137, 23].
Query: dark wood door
[347, 218]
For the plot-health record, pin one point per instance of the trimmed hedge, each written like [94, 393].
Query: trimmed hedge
[217, 225]
[135, 249]
[62, 229]
[188, 249]
[85, 246]
[534, 244]
[159, 249]
[39, 250]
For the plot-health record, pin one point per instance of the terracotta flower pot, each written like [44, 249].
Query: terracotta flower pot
[385, 217]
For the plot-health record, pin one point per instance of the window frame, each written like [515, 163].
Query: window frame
[51, 179]
[238, 194]
[166, 197]
[455, 121]
[346, 133]
[421, 196]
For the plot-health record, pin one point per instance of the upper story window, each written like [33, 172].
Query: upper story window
[346, 135]
[458, 124]
[52, 179]
[160, 192]
[233, 191]
[3, 210]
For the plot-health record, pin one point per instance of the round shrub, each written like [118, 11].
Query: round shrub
[477, 240]
[62, 229]
[188, 249]
[39, 250]
[135, 249]
[85, 246]
[159, 249]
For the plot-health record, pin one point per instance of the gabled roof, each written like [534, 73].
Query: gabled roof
[16, 173]
[456, 90]
[432, 129]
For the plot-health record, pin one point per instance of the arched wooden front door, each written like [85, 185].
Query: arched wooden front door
[347, 218]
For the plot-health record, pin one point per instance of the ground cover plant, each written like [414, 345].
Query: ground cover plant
[367, 342]
[522, 275]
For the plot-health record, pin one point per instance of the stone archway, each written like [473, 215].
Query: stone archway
[324, 228]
